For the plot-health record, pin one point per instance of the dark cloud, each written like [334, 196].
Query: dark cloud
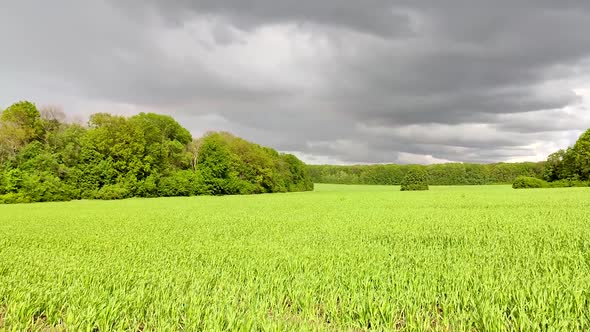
[339, 81]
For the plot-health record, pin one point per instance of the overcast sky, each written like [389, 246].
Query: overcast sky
[333, 81]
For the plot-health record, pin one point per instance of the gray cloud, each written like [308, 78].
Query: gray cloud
[339, 81]
[372, 16]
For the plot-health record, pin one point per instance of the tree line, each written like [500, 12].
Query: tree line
[437, 174]
[567, 167]
[45, 158]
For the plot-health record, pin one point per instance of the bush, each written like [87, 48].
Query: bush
[12, 180]
[177, 184]
[148, 187]
[46, 187]
[113, 191]
[181, 183]
[525, 182]
[14, 198]
[416, 179]
[568, 184]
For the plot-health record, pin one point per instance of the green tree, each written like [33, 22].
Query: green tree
[20, 124]
[581, 156]
[118, 141]
[165, 141]
[554, 167]
[298, 175]
[218, 166]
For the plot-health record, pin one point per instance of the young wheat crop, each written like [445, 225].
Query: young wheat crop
[342, 258]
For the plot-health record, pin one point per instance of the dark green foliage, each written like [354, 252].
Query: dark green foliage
[415, 179]
[526, 182]
[569, 183]
[112, 191]
[146, 155]
[572, 164]
[148, 187]
[231, 165]
[554, 167]
[298, 176]
[181, 183]
[439, 174]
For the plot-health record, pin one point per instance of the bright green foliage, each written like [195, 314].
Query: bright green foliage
[438, 174]
[20, 124]
[525, 182]
[345, 258]
[231, 165]
[146, 155]
[218, 166]
[165, 141]
[416, 179]
[582, 156]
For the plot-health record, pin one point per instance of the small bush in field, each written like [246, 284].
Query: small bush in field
[415, 179]
[525, 182]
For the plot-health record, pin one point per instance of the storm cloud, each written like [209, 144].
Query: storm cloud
[338, 81]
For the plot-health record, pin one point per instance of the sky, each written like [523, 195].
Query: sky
[332, 81]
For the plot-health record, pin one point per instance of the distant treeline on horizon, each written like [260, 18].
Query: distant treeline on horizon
[568, 166]
[438, 174]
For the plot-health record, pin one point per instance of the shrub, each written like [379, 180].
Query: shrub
[416, 179]
[525, 182]
[176, 184]
[181, 183]
[113, 191]
[568, 183]
[89, 194]
[46, 187]
[13, 198]
[148, 187]
[13, 180]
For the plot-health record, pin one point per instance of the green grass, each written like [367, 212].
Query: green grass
[342, 258]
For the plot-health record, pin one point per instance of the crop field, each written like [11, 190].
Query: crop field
[342, 258]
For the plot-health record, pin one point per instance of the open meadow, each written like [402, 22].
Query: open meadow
[480, 258]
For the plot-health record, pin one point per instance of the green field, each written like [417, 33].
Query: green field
[485, 258]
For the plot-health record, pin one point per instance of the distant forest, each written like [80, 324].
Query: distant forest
[438, 174]
[567, 167]
[43, 158]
